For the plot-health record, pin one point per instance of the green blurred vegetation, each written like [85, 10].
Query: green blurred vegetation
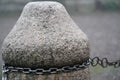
[112, 5]
[109, 5]
[109, 72]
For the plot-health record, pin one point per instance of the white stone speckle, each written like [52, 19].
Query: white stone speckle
[45, 36]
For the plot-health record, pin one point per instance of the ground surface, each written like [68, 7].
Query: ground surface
[103, 30]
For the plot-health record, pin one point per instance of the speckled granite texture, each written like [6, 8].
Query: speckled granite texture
[45, 36]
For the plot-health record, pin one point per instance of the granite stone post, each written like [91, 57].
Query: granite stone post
[45, 36]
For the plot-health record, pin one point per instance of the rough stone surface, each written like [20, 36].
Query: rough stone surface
[45, 36]
[75, 75]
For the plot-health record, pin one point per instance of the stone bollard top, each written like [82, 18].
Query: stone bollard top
[45, 36]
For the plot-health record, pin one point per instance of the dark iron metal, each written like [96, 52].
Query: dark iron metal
[91, 61]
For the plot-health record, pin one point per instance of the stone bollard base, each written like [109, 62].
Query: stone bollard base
[45, 36]
[74, 75]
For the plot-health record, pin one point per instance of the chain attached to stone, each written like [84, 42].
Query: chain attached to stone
[44, 71]
[91, 61]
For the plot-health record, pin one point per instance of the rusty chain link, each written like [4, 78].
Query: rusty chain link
[91, 61]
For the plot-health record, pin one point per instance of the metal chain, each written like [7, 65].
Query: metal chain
[103, 62]
[44, 71]
[4, 75]
[91, 61]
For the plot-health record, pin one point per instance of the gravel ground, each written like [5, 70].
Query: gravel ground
[103, 32]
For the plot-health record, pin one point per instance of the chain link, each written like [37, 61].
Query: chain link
[103, 62]
[91, 61]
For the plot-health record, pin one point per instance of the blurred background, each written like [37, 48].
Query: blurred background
[99, 19]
